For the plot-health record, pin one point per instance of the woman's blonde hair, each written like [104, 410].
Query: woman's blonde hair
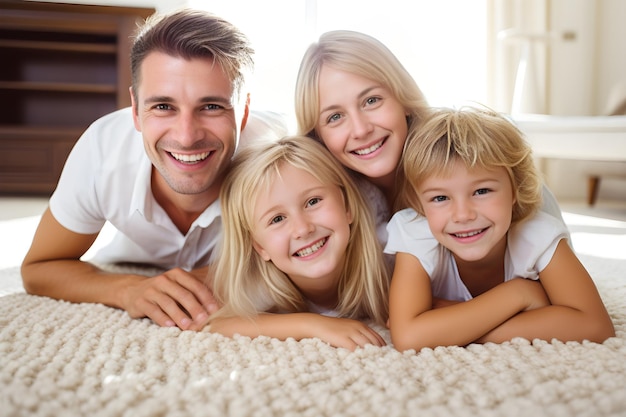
[246, 284]
[359, 54]
[479, 138]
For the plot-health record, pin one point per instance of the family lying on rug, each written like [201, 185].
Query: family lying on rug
[293, 236]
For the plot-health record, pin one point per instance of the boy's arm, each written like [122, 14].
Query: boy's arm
[575, 313]
[52, 268]
[414, 324]
[338, 332]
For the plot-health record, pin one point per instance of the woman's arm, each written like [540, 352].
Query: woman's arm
[576, 312]
[414, 324]
[338, 332]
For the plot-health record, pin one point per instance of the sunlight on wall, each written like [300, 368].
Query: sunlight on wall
[442, 43]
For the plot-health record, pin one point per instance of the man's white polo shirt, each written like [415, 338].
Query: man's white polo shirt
[107, 178]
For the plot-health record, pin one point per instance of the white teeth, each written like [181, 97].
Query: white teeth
[311, 249]
[190, 158]
[468, 234]
[369, 150]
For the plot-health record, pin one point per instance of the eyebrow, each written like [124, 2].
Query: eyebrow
[206, 99]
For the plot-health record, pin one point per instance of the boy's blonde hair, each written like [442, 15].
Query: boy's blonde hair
[479, 138]
[246, 284]
[359, 54]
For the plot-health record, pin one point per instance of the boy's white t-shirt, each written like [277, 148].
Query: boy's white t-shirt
[530, 247]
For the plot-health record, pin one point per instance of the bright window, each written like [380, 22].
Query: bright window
[442, 43]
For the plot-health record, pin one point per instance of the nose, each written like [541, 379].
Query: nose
[301, 226]
[463, 211]
[187, 129]
[361, 125]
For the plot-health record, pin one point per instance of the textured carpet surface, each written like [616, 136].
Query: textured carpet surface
[63, 359]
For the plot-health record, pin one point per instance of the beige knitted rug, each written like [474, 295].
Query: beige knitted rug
[62, 359]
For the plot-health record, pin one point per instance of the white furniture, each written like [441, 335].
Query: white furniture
[591, 138]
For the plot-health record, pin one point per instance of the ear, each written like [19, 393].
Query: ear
[349, 216]
[246, 112]
[135, 109]
[262, 253]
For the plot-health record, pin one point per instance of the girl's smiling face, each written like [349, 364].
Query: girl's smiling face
[303, 227]
[469, 211]
[362, 124]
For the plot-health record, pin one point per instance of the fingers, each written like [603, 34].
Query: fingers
[367, 336]
[205, 297]
[361, 336]
[174, 298]
[184, 299]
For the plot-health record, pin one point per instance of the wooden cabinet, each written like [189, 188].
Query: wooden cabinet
[63, 66]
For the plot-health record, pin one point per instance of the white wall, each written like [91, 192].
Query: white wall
[611, 51]
[586, 73]
[586, 68]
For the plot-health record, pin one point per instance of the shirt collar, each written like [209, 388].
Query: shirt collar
[143, 202]
[209, 215]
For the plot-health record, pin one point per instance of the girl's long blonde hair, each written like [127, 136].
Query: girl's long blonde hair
[245, 284]
[478, 137]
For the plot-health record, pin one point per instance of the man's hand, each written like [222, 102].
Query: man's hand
[174, 298]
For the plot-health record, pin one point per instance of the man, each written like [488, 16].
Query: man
[189, 106]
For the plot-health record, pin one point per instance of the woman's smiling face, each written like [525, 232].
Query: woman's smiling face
[362, 124]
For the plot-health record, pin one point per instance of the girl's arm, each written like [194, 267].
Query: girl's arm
[338, 332]
[576, 312]
[414, 324]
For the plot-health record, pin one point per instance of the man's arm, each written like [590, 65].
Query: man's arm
[52, 268]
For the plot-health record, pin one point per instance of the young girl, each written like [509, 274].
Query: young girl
[471, 175]
[298, 238]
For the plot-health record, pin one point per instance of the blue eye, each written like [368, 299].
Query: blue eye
[333, 118]
[482, 191]
[277, 219]
[440, 198]
[313, 201]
